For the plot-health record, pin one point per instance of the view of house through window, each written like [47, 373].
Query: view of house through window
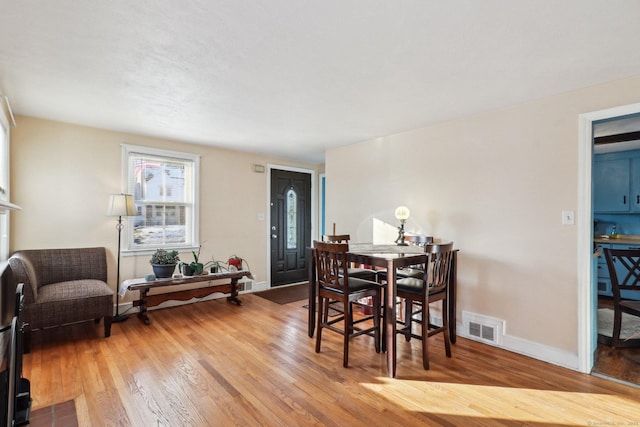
[164, 187]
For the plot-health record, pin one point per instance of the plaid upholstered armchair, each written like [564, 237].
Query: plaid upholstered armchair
[63, 286]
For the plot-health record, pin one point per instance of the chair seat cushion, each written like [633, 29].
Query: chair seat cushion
[74, 289]
[356, 284]
[410, 284]
[68, 302]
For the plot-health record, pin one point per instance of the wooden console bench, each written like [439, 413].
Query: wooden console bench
[147, 300]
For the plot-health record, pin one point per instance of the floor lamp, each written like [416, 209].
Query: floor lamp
[120, 205]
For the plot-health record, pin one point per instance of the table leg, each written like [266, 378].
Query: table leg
[451, 299]
[311, 326]
[390, 318]
[234, 293]
[142, 314]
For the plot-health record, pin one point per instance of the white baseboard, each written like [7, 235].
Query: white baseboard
[543, 352]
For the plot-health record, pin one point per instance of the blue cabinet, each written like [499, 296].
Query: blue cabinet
[602, 273]
[616, 182]
[611, 185]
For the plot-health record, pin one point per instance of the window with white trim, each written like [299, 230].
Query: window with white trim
[165, 188]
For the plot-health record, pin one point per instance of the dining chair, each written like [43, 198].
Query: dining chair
[413, 271]
[624, 271]
[336, 286]
[359, 272]
[422, 291]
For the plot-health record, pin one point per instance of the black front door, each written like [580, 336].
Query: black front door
[290, 226]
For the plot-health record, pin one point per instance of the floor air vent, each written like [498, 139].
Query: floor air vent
[483, 328]
[245, 285]
[482, 331]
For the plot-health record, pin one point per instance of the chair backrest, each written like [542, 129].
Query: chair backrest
[330, 257]
[336, 238]
[440, 265]
[624, 271]
[418, 240]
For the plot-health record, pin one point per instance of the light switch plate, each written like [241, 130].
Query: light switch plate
[567, 218]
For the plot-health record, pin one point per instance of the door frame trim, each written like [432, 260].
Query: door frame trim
[314, 201]
[586, 288]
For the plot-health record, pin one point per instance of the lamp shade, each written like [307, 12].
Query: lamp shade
[121, 205]
[402, 213]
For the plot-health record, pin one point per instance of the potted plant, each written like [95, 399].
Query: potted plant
[213, 265]
[193, 268]
[164, 263]
[236, 262]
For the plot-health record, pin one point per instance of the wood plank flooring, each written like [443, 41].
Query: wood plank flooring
[619, 363]
[218, 364]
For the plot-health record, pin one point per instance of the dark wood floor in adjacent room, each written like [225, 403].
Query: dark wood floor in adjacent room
[217, 364]
[619, 363]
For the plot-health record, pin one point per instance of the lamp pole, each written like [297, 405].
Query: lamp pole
[118, 317]
[120, 205]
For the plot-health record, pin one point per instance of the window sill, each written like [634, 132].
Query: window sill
[149, 252]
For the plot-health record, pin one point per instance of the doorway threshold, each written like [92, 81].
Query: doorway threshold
[615, 380]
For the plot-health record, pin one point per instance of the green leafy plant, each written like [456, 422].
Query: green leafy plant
[214, 265]
[193, 268]
[164, 257]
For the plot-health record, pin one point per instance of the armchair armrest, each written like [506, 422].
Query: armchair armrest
[24, 272]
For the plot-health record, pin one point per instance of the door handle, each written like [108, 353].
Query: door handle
[274, 236]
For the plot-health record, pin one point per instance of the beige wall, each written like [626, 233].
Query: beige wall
[62, 175]
[496, 184]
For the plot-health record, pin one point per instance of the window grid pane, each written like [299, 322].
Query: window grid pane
[164, 193]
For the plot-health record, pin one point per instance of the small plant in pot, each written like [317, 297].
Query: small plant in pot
[236, 262]
[164, 263]
[213, 265]
[193, 268]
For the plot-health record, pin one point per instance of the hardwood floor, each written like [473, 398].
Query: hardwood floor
[217, 364]
[619, 363]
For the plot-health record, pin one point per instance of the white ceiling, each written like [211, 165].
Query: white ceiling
[292, 78]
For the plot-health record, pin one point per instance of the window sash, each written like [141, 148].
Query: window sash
[165, 188]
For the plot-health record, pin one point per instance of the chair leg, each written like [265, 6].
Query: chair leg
[348, 329]
[383, 314]
[617, 326]
[376, 321]
[425, 335]
[445, 325]
[321, 310]
[408, 318]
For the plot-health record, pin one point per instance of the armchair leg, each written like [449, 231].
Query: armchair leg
[26, 340]
[107, 326]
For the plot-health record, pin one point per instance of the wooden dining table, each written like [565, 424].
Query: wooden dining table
[390, 257]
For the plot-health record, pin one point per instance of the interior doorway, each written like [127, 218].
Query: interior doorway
[290, 228]
[616, 147]
[587, 290]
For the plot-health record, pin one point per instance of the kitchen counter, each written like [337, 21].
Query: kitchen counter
[618, 239]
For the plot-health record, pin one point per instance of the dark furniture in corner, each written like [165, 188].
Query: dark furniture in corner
[334, 284]
[624, 269]
[63, 286]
